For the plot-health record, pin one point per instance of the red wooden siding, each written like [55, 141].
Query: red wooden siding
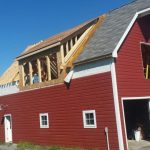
[130, 77]
[65, 108]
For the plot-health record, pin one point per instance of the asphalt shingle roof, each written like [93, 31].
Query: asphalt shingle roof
[108, 35]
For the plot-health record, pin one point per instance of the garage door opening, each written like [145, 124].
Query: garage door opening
[137, 118]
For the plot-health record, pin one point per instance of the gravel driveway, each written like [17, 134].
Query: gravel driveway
[8, 147]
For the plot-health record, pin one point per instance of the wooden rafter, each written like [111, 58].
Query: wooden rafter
[81, 43]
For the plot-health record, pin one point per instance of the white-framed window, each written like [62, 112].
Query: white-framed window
[44, 121]
[89, 119]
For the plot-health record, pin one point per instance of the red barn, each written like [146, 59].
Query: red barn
[85, 87]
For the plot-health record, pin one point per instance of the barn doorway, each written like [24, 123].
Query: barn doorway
[137, 118]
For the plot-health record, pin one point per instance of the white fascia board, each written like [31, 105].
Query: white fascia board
[38, 51]
[92, 68]
[115, 52]
[116, 105]
[88, 69]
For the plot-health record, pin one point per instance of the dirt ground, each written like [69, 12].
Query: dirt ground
[141, 145]
[8, 147]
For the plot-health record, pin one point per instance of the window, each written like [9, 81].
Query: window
[89, 119]
[44, 122]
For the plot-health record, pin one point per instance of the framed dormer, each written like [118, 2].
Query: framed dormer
[48, 62]
[41, 69]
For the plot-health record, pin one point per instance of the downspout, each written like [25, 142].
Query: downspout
[116, 104]
[107, 138]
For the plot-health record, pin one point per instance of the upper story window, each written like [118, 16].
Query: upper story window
[145, 48]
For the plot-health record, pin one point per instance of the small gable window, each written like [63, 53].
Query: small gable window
[145, 48]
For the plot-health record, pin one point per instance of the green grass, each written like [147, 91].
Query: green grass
[25, 146]
[2, 142]
[30, 146]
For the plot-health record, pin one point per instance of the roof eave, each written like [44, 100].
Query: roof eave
[93, 59]
[38, 51]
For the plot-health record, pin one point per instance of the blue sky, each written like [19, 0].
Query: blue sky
[25, 22]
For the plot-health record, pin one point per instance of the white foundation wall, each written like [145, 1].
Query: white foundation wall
[9, 88]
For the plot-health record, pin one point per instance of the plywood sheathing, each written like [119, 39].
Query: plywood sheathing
[54, 39]
[11, 74]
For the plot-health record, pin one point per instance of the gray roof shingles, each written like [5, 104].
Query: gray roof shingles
[107, 36]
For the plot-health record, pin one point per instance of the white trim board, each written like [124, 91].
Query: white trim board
[114, 54]
[124, 122]
[116, 105]
[92, 68]
[135, 98]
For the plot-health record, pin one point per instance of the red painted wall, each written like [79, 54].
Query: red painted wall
[65, 108]
[129, 68]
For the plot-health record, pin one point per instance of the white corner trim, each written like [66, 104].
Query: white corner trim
[117, 108]
[114, 54]
[124, 121]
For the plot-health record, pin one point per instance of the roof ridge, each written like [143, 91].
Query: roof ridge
[126, 4]
[114, 27]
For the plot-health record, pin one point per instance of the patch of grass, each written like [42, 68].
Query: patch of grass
[61, 148]
[25, 146]
[30, 146]
[54, 148]
[2, 142]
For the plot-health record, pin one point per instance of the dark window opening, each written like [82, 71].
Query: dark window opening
[65, 51]
[146, 60]
[35, 77]
[54, 67]
[137, 118]
[26, 72]
[44, 73]
[73, 41]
